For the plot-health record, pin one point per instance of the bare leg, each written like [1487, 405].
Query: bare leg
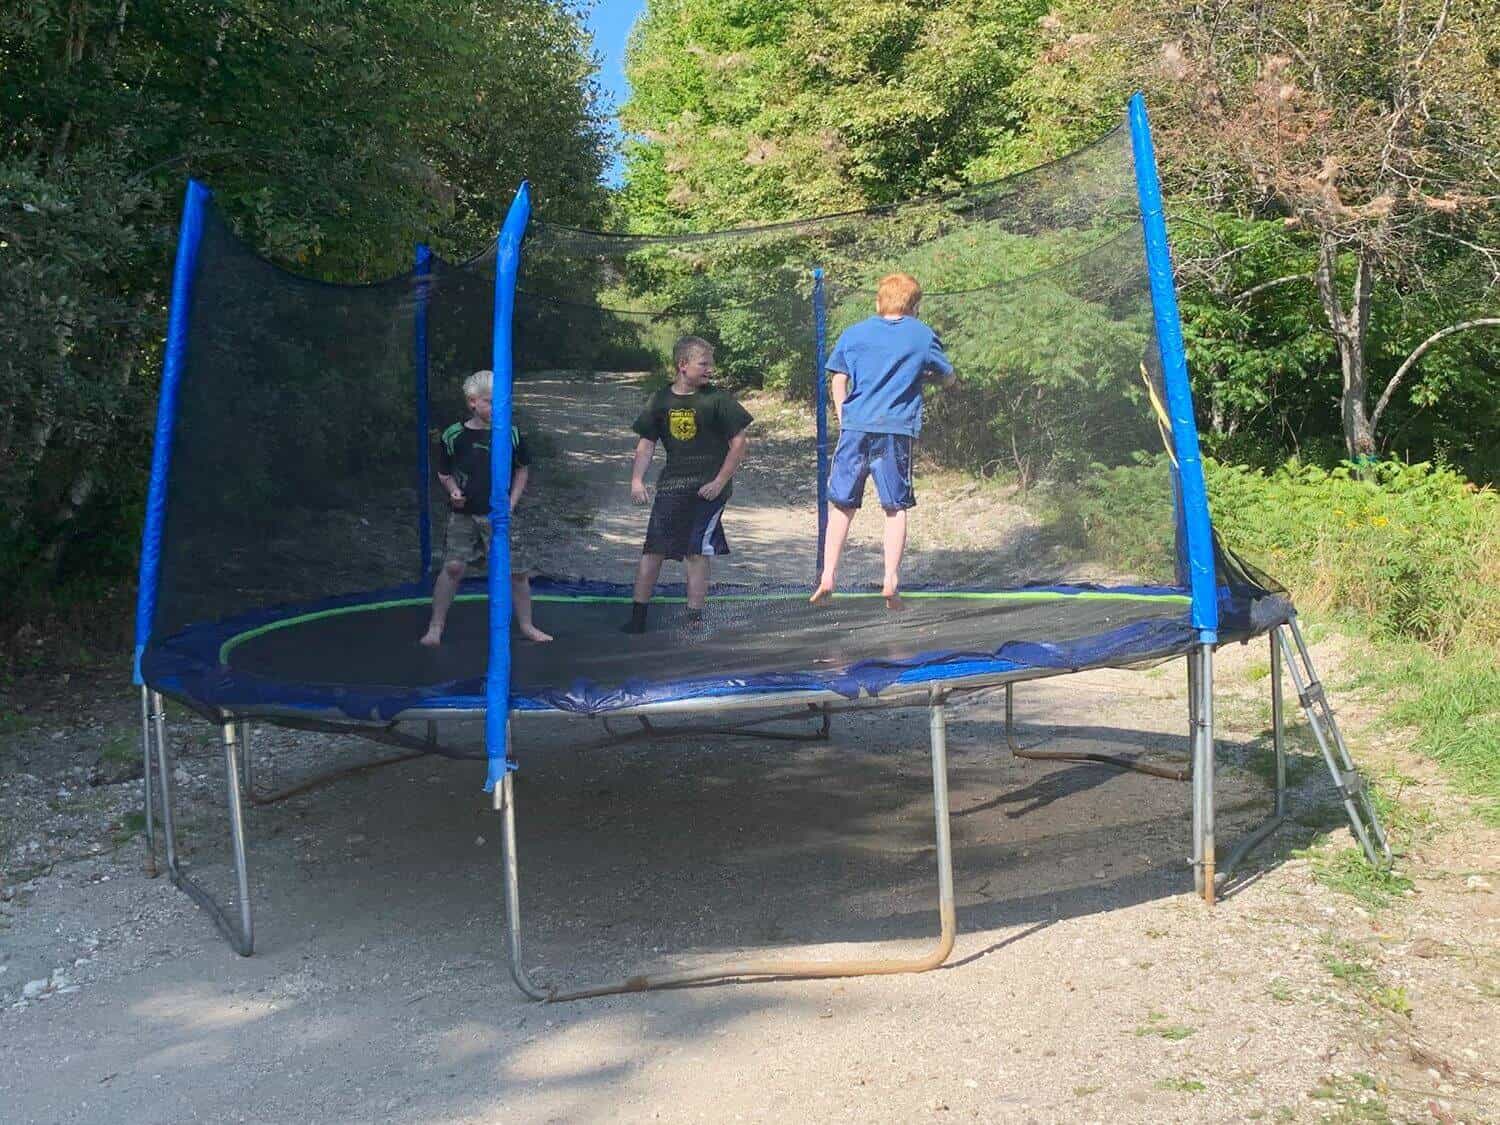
[520, 600]
[839, 519]
[895, 547]
[646, 576]
[443, 592]
[697, 580]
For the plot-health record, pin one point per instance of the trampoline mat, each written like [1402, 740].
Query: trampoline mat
[362, 655]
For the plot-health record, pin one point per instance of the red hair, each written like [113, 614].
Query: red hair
[899, 294]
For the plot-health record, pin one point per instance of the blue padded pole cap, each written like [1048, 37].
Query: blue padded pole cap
[174, 358]
[1202, 577]
[497, 680]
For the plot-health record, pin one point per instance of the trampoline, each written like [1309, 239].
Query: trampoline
[288, 558]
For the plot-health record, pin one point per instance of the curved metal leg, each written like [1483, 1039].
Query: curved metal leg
[805, 970]
[1261, 832]
[1116, 760]
[242, 940]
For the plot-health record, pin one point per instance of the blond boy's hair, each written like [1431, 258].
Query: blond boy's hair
[899, 294]
[689, 346]
[480, 383]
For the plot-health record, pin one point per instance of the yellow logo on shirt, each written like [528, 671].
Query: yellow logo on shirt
[682, 424]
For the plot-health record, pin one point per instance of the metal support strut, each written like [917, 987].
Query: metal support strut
[1363, 818]
[1200, 663]
[805, 970]
[1119, 761]
[150, 864]
[241, 938]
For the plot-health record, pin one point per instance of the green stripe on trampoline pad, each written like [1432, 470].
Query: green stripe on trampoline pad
[240, 638]
[972, 595]
[613, 599]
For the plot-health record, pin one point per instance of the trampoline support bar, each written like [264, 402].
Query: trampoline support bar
[763, 970]
[242, 938]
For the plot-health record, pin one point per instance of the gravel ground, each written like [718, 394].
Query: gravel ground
[1089, 983]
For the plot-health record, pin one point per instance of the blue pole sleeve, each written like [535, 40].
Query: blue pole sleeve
[497, 680]
[1200, 544]
[423, 282]
[174, 358]
[820, 383]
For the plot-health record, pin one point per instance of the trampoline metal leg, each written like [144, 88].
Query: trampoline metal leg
[506, 799]
[806, 970]
[1255, 836]
[1201, 689]
[247, 765]
[146, 786]
[246, 943]
[243, 939]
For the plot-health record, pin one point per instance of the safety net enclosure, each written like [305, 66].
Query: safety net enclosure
[295, 526]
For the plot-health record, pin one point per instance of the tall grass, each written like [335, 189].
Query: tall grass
[1411, 552]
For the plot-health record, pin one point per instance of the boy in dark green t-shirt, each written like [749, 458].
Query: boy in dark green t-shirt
[703, 429]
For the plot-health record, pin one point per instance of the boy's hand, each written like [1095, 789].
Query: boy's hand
[711, 490]
[456, 498]
[638, 492]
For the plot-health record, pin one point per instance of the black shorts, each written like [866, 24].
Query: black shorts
[683, 523]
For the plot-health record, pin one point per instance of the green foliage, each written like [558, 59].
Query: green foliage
[746, 109]
[334, 134]
[1412, 549]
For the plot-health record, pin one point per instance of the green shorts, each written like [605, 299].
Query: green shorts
[467, 540]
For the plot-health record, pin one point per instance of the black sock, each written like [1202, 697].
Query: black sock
[694, 616]
[637, 622]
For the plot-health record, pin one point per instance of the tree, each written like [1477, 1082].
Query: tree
[747, 110]
[1370, 129]
[335, 134]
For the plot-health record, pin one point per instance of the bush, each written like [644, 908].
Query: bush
[1412, 549]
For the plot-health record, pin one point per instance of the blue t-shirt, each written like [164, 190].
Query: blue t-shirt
[886, 361]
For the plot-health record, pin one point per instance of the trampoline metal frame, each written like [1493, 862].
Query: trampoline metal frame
[1287, 647]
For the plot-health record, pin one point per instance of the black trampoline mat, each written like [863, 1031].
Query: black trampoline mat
[747, 636]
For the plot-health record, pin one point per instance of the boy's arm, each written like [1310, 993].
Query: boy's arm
[838, 390]
[644, 448]
[737, 446]
[518, 481]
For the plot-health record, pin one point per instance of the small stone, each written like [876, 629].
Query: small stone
[33, 988]
[1477, 883]
[181, 776]
[479, 841]
[1098, 874]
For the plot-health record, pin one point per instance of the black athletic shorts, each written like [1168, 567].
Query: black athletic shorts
[683, 523]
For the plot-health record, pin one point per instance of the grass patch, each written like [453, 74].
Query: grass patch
[1155, 1026]
[1348, 872]
[1181, 1085]
[121, 749]
[1352, 1098]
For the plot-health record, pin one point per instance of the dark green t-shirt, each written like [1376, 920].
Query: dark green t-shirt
[694, 429]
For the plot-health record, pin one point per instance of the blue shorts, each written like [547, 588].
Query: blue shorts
[886, 457]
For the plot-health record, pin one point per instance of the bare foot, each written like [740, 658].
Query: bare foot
[432, 638]
[822, 593]
[532, 633]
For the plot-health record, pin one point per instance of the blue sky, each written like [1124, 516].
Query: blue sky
[609, 21]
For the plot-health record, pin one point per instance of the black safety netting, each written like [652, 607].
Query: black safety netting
[1047, 529]
[301, 451]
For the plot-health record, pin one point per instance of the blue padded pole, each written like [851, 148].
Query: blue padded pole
[423, 277]
[174, 358]
[820, 383]
[1200, 543]
[497, 680]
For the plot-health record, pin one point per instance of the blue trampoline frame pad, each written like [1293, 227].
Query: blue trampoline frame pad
[355, 657]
